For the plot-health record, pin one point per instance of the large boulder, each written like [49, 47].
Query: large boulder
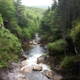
[50, 74]
[27, 69]
[36, 75]
[37, 68]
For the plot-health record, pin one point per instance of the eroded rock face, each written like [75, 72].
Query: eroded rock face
[15, 76]
[22, 55]
[12, 73]
[12, 65]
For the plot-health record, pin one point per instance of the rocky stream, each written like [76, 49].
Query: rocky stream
[31, 66]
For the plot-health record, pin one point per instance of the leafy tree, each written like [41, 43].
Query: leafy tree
[60, 28]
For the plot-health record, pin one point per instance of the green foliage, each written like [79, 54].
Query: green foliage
[22, 21]
[28, 20]
[34, 12]
[75, 31]
[9, 47]
[7, 9]
[44, 38]
[51, 38]
[26, 33]
[68, 62]
[56, 47]
[60, 28]
[17, 16]
[1, 20]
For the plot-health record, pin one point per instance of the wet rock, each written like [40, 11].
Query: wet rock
[58, 77]
[37, 68]
[27, 69]
[23, 63]
[21, 52]
[35, 75]
[42, 59]
[44, 72]
[50, 74]
[22, 55]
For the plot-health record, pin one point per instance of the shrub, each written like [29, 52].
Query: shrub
[56, 47]
[1, 20]
[68, 62]
[75, 31]
[50, 38]
[9, 47]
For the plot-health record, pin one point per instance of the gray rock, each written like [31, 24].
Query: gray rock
[13, 65]
[42, 59]
[35, 75]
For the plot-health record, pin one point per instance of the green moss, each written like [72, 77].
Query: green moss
[9, 47]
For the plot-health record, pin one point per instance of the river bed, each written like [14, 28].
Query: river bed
[17, 71]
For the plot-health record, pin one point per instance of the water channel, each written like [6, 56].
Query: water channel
[35, 52]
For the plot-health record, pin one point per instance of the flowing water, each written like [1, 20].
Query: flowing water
[35, 52]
